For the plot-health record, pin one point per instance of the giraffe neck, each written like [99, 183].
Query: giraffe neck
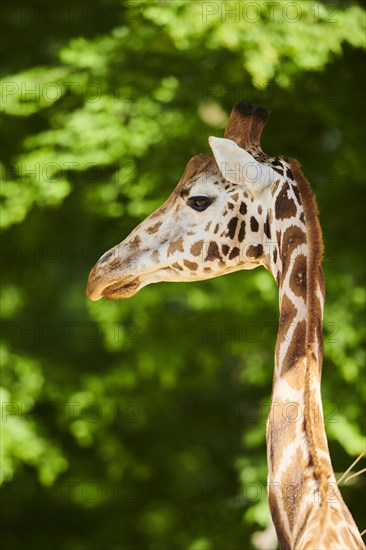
[301, 483]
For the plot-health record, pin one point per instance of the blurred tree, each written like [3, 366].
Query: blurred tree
[142, 424]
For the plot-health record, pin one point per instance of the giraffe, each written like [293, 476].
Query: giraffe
[238, 210]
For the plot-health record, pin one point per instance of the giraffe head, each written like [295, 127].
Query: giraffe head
[216, 221]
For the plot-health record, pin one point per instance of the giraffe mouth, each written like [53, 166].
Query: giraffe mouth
[121, 289]
[127, 286]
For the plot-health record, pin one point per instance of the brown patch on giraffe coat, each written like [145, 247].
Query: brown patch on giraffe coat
[259, 209]
[289, 173]
[285, 206]
[298, 283]
[278, 237]
[243, 208]
[296, 348]
[287, 315]
[254, 251]
[267, 228]
[157, 212]
[207, 269]
[196, 248]
[213, 252]
[193, 266]
[295, 376]
[208, 226]
[302, 217]
[135, 241]
[235, 197]
[190, 233]
[176, 246]
[297, 194]
[254, 225]
[234, 253]
[177, 266]
[241, 234]
[230, 205]
[275, 255]
[116, 264]
[225, 249]
[274, 188]
[153, 228]
[231, 226]
[217, 226]
[292, 238]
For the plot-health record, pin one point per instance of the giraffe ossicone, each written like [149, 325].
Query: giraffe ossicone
[238, 210]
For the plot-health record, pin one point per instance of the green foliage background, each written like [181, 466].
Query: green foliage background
[141, 424]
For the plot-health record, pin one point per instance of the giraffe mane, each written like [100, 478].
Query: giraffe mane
[316, 248]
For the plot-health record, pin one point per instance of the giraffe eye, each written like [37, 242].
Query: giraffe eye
[199, 203]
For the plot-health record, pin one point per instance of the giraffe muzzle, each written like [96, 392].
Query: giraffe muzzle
[105, 282]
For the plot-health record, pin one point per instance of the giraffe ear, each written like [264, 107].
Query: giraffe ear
[238, 166]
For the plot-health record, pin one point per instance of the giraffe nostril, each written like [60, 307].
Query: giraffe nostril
[105, 257]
